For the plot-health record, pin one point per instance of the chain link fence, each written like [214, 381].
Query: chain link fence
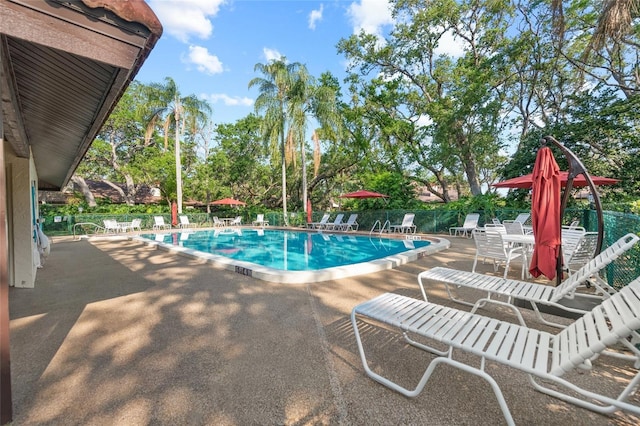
[622, 271]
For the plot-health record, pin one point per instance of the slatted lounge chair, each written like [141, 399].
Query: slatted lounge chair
[158, 223]
[321, 224]
[135, 224]
[351, 224]
[540, 354]
[522, 218]
[260, 221]
[336, 225]
[406, 225]
[470, 223]
[532, 292]
[583, 252]
[184, 222]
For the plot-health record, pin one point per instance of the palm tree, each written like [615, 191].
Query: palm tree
[275, 96]
[309, 99]
[183, 113]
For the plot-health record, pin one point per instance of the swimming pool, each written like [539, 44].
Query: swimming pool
[294, 256]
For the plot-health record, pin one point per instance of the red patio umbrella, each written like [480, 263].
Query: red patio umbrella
[545, 215]
[526, 181]
[363, 194]
[229, 202]
[309, 211]
[174, 214]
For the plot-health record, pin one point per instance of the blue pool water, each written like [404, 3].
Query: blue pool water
[289, 250]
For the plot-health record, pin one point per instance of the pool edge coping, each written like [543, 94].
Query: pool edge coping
[265, 273]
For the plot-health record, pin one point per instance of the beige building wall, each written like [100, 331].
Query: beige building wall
[23, 254]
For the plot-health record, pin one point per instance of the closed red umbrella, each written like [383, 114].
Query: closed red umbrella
[309, 211]
[526, 181]
[545, 215]
[174, 214]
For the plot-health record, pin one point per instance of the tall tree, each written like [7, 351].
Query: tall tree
[187, 115]
[274, 101]
[416, 84]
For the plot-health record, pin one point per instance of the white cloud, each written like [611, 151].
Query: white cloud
[370, 16]
[205, 62]
[186, 18]
[271, 54]
[315, 16]
[449, 45]
[228, 100]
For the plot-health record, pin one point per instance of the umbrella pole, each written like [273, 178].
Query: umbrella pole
[575, 168]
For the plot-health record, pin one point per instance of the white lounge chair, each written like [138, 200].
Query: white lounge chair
[489, 245]
[540, 354]
[406, 225]
[321, 224]
[470, 223]
[532, 292]
[260, 220]
[136, 225]
[336, 224]
[522, 218]
[184, 222]
[583, 252]
[158, 223]
[351, 224]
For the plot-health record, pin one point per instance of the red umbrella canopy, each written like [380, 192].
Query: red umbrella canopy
[545, 214]
[363, 194]
[526, 181]
[229, 202]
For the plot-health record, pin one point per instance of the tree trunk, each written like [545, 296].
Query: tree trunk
[84, 189]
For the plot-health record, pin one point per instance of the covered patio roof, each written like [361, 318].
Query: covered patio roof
[65, 65]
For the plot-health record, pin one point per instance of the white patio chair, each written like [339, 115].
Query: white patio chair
[158, 223]
[217, 223]
[406, 225]
[535, 293]
[522, 218]
[237, 221]
[111, 225]
[260, 220]
[513, 227]
[184, 222]
[470, 223]
[136, 225]
[582, 253]
[351, 224]
[541, 355]
[321, 224]
[570, 239]
[336, 224]
[489, 245]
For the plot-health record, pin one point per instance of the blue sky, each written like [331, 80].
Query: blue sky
[210, 47]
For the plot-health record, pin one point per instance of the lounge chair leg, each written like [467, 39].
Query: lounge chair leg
[428, 372]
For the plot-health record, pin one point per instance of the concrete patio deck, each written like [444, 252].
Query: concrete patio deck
[117, 332]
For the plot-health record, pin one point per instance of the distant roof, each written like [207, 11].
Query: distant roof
[100, 190]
